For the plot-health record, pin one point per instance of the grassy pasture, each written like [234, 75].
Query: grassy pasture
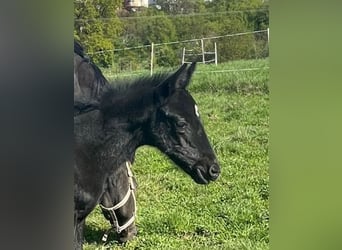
[231, 213]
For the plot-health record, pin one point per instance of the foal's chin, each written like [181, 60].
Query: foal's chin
[197, 174]
[202, 170]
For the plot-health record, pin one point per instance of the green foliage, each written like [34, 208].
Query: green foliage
[231, 213]
[181, 6]
[96, 27]
[102, 25]
[166, 57]
[95, 43]
[235, 47]
[143, 31]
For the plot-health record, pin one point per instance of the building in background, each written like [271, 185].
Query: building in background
[134, 5]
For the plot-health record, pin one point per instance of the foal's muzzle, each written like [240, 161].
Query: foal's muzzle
[214, 172]
[203, 175]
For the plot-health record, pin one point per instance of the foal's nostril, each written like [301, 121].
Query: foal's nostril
[214, 171]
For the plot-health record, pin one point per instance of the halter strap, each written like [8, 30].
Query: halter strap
[111, 210]
[120, 204]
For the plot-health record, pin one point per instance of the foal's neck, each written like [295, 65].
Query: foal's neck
[127, 113]
[123, 138]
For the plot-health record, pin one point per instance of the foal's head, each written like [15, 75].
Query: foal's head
[159, 111]
[176, 128]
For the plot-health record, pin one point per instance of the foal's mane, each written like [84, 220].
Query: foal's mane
[138, 92]
[137, 85]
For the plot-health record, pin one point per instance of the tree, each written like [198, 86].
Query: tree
[181, 6]
[102, 25]
[146, 29]
[97, 26]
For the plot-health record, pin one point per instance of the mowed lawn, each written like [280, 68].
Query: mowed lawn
[232, 213]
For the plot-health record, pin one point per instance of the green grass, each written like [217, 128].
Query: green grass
[231, 213]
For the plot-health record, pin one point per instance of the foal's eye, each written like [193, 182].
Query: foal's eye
[181, 124]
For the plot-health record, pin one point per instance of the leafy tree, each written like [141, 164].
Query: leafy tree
[97, 27]
[146, 29]
[181, 6]
[246, 18]
[102, 25]
[230, 5]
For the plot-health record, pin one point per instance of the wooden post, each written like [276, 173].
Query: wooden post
[215, 54]
[268, 34]
[152, 57]
[183, 56]
[202, 45]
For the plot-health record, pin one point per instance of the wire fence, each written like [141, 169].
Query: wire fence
[158, 56]
[112, 74]
[184, 41]
[233, 70]
[169, 15]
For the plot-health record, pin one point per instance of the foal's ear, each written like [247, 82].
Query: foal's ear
[178, 80]
[181, 78]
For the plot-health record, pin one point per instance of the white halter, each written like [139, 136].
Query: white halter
[111, 210]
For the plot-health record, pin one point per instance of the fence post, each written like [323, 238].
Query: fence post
[183, 57]
[215, 54]
[268, 35]
[152, 55]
